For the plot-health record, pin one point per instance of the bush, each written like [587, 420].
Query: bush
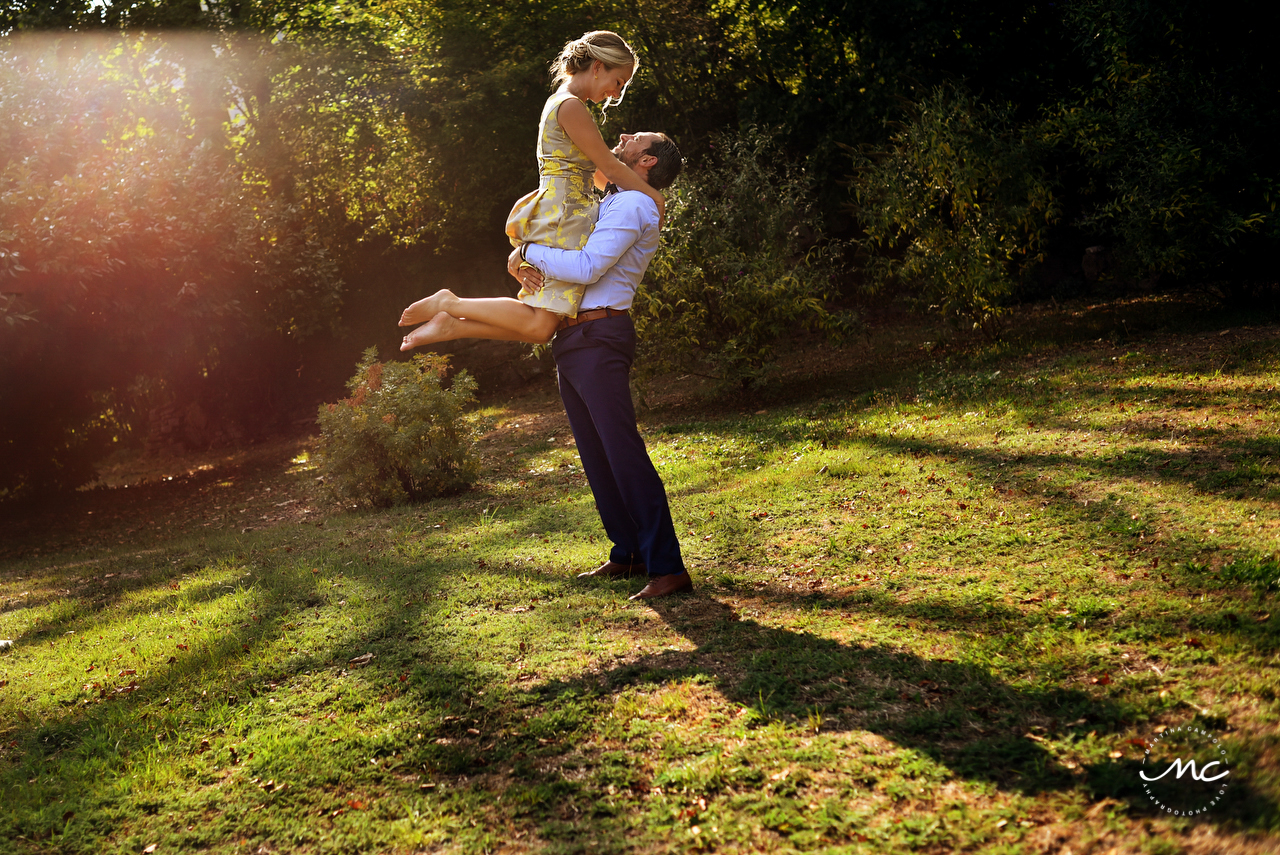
[742, 266]
[959, 205]
[401, 436]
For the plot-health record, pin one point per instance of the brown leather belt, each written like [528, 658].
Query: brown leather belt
[592, 315]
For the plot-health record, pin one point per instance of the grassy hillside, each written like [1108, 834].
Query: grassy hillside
[944, 607]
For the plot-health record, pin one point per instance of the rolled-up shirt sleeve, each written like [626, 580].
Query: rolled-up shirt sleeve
[618, 228]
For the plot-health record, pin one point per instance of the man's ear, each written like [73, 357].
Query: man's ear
[647, 161]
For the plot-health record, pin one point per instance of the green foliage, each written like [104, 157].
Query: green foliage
[132, 253]
[828, 72]
[1176, 136]
[407, 121]
[401, 436]
[742, 268]
[961, 202]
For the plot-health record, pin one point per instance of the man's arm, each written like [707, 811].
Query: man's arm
[620, 226]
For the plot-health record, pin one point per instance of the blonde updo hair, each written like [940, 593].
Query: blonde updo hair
[604, 45]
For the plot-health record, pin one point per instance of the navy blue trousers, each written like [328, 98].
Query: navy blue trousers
[593, 361]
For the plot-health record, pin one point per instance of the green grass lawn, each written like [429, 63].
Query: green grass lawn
[943, 613]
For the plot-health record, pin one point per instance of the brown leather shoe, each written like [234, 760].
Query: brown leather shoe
[611, 570]
[661, 586]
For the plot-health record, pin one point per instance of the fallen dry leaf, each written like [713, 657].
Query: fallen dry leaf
[363, 659]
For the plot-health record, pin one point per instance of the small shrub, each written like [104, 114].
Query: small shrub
[401, 436]
[742, 267]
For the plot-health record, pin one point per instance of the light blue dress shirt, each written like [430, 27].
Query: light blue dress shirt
[616, 255]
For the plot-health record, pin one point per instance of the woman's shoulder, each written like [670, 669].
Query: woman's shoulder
[558, 100]
[560, 96]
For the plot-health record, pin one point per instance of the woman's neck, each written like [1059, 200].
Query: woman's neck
[577, 87]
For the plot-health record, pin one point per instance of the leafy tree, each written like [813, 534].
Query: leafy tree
[1176, 135]
[830, 73]
[134, 256]
[1163, 152]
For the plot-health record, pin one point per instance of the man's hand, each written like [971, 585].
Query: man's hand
[529, 277]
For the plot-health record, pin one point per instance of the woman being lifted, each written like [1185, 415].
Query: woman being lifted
[560, 213]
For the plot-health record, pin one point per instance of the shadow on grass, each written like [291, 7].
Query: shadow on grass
[978, 726]
[1124, 526]
[183, 718]
[502, 752]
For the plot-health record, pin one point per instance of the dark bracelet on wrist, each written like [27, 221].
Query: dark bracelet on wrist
[522, 250]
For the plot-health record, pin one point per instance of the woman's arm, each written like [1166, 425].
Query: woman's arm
[581, 128]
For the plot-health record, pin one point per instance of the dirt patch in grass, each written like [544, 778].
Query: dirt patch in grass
[142, 502]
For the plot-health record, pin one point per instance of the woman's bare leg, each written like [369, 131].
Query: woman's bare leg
[532, 324]
[445, 327]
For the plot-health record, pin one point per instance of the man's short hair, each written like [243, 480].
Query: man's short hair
[669, 164]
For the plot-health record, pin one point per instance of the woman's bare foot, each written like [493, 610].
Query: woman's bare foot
[434, 330]
[427, 308]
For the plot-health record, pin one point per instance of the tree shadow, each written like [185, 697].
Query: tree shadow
[485, 738]
[958, 714]
[978, 726]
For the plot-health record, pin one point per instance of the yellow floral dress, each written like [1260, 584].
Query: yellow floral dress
[561, 213]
